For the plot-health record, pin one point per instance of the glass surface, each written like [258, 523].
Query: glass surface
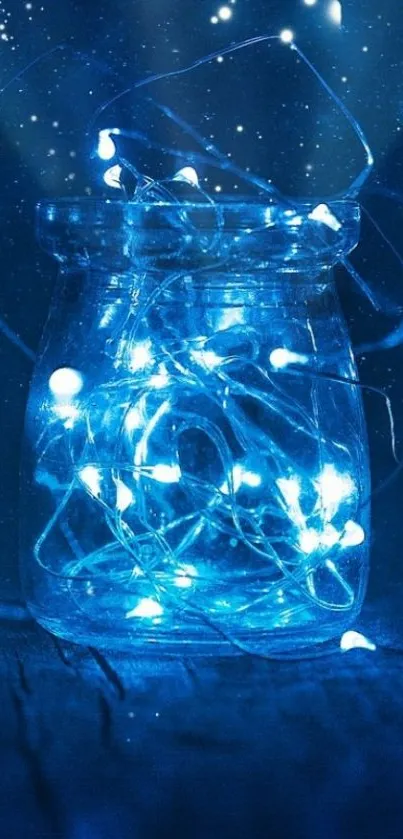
[194, 475]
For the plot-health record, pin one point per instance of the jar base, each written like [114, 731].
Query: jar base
[307, 642]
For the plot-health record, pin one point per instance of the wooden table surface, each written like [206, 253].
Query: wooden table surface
[98, 748]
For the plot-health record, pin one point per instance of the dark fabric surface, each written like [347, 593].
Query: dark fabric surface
[98, 747]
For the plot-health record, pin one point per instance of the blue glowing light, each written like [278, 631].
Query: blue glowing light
[187, 174]
[112, 177]
[65, 382]
[335, 12]
[224, 13]
[146, 608]
[106, 146]
[351, 640]
[287, 36]
[281, 357]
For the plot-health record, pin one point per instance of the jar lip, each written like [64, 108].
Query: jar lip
[226, 202]
[231, 229]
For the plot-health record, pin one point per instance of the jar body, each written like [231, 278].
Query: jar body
[193, 479]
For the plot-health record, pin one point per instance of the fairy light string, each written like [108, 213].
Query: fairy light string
[183, 456]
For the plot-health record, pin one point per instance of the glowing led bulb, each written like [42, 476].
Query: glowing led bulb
[160, 379]
[106, 147]
[251, 479]
[290, 489]
[166, 474]
[224, 13]
[124, 496]
[133, 420]
[188, 175]
[184, 576]
[353, 535]
[310, 2]
[65, 382]
[91, 477]
[309, 540]
[335, 12]
[333, 487]
[147, 607]
[351, 640]
[323, 214]
[207, 358]
[281, 357]
[112, 177]
[241, 476]
[286, 36]
[140, 356]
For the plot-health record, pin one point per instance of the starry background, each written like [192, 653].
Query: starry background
[59, 62]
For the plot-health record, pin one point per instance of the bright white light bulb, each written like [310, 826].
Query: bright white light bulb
[207, 358]
[133, 420]
[124, 496]
[230, 317]
[160, 379]
[290, 489]
[140, 356]
[287, 36]
[281, 357]
[295, 221]
[351, 640]
[237, 474]
[335, 12]
[184, 576]
[188, 175]
[241, 476]
[91, 477]
[224, 13]
[147, 607]
[353, 535]
[309, 540]
[251, 479]
[112, 177]
[333, 487]
[323, 214]
[166, 474]
[310, 2]
[65, 382]
[106, 147]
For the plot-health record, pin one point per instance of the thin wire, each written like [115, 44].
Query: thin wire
[361, 177]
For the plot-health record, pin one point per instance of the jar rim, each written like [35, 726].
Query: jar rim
[350, 206]
[235, 228]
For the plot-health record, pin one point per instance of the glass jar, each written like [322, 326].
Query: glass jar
[195, 470]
